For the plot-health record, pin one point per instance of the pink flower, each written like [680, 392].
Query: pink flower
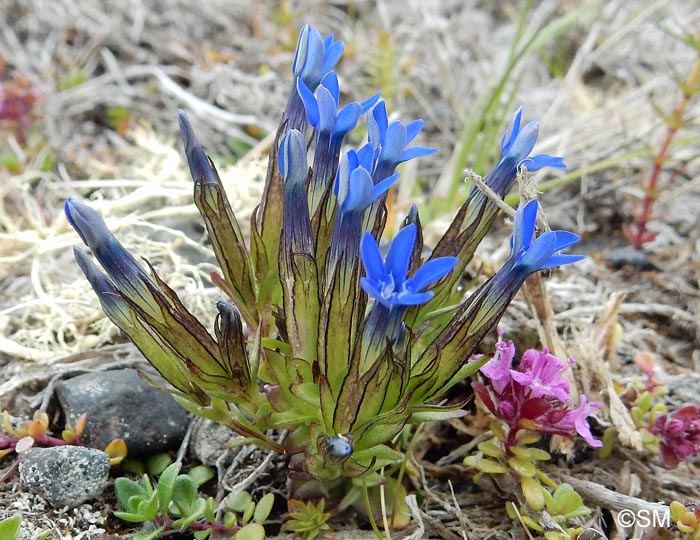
[535, 395]
[542, 373]
[498, 368]
[679, 435]
[578, 419]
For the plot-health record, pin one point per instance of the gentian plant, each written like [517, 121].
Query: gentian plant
[318, 332]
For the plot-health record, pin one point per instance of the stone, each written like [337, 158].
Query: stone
[64, 475]
[629, 256]
[119, 404]
[209, 439]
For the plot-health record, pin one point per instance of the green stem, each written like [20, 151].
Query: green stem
[372, 522]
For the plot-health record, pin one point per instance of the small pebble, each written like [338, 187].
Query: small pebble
[64, 475]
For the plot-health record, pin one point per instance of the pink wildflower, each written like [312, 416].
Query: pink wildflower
[534, 395]
[542, 373]
[679, 435]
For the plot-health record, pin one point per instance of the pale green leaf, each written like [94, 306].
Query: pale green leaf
[252, 531]
[9, 528]
[263, 508]
[201, 474]
[166, 482]
[149, 535]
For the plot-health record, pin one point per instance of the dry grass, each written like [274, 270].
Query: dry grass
[227, 64]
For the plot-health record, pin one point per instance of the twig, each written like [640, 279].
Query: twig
[612, 500]
[478, 182]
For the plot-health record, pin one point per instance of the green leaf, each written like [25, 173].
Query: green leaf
[566, 501]
[148, 535]
[263, 508]
[230, 520]
[196, 512]
[157, 463]
[166, 482]
[437, 415]
[239, 501]
[533, 491]
[491, 448]
[248, 514]
[43, 535]
[536, 454]
[522, 467]
[131, 517]
[147, 485]
[201, 474]
[381, 451]
[134, 466]
[9, 528]
[489, 466]
[202, 535]
[129, 493]
[252, 531]
[184, 494]
[148, 508]
[210, 510]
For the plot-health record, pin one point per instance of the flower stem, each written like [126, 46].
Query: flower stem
[638, 234]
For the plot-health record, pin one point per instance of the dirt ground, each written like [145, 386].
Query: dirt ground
[108, 78]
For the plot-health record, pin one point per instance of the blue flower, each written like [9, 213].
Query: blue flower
[112, 301]
[127, 274]
[529, 256]
[200, 167]
[322, 107]
[313, 60]
[315, 56]
[354, 186]
[390, 140]
[386, 279]
[291, 158]
[516, 145]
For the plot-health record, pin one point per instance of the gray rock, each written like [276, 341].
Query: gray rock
[629, 256]
[209, 439]
[119, 404]
[64, 475]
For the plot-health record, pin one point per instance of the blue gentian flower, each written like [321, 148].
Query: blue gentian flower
[390, 141]
[354, 186]
[200, 167]
[322, 107]
[386, 279]
[331, 126]
[111, 300]
[313, 60]
[126, 273]
[291, 160]
[516, 145]
[315, 56]
[530, 256]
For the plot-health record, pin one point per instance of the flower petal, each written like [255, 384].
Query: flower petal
[430, 272]
[371, 257]
[399, 255]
